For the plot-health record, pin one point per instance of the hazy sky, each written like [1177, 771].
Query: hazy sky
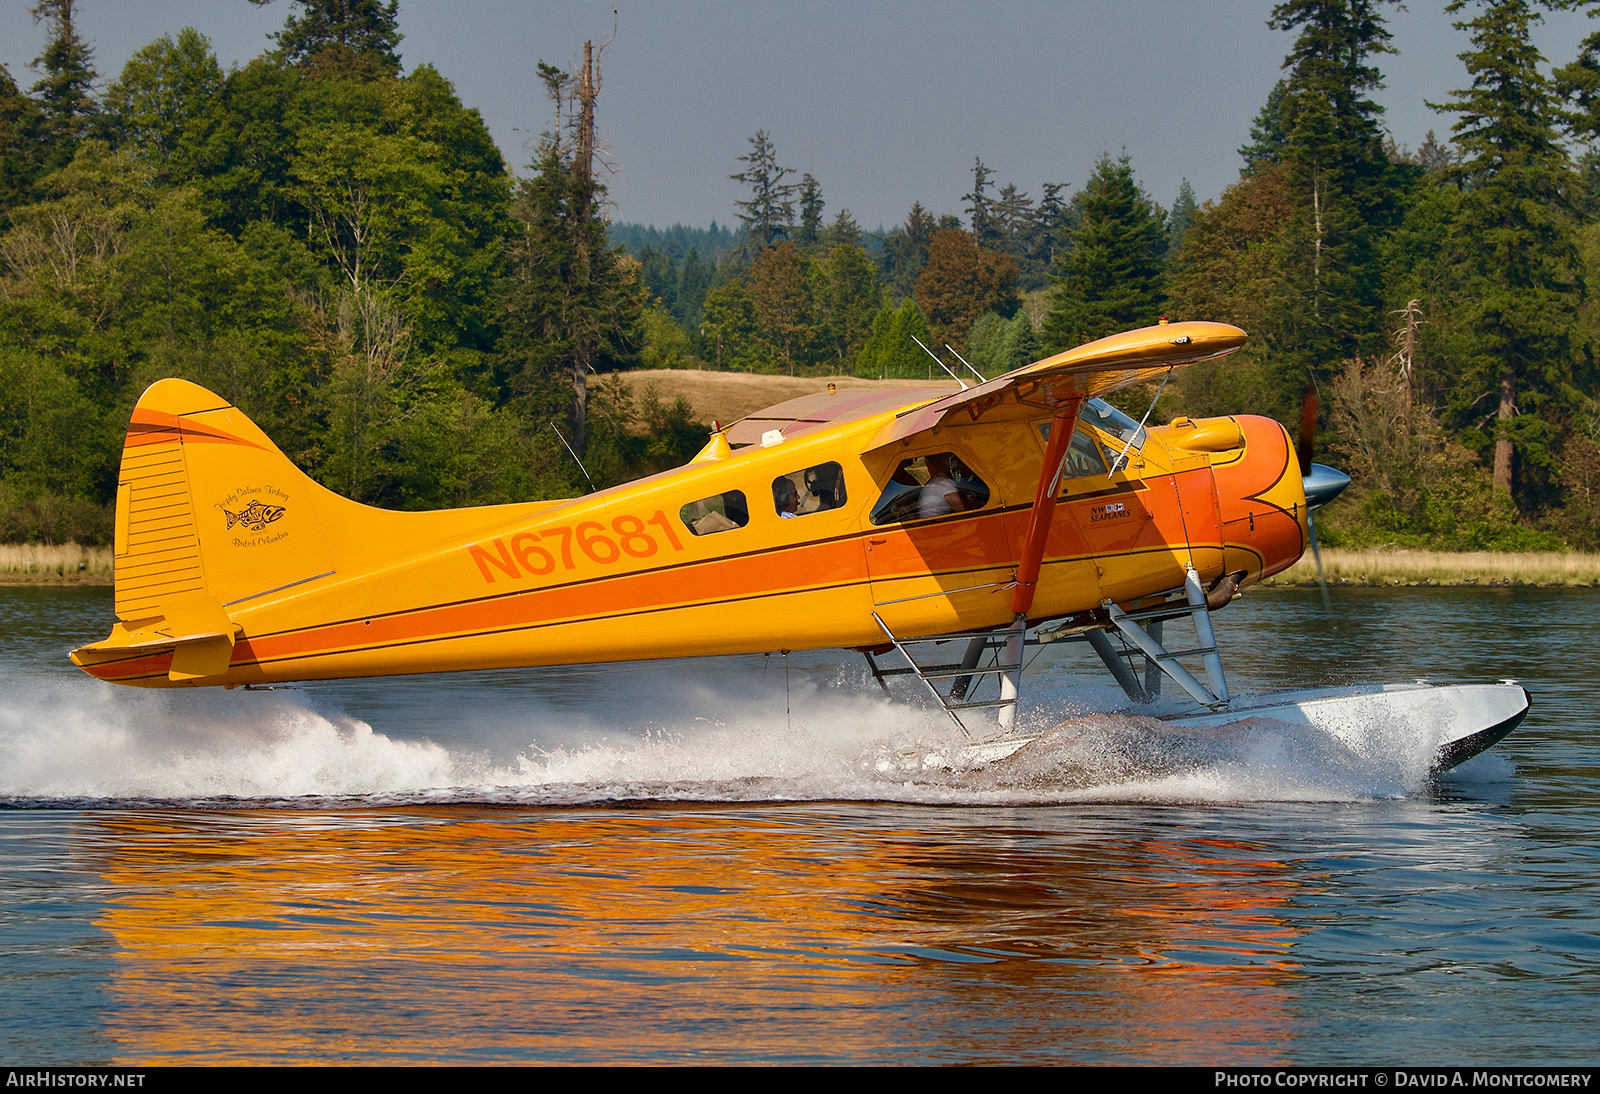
[886, 103]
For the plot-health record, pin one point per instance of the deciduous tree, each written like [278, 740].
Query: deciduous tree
[785, 308]
[159, 103]
[961, 281]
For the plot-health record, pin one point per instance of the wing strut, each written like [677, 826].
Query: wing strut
[1044, 505]
[1032, 554]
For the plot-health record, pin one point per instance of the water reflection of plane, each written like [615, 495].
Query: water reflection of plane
[676, 934]
[1024, 510]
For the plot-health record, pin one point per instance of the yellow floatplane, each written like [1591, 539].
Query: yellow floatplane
[1022, 510]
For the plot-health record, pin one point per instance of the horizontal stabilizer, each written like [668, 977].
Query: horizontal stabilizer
[198, 632]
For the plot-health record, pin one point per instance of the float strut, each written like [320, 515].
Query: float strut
[1202, 630]
[1011, 679]
[1152, 670]
[1119, 667]
[969, 661]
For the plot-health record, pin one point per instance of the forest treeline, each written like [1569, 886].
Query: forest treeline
[336, 246]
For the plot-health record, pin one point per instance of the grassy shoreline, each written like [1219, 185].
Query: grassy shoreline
[1467, 568]
[62, 564]
[70, 564]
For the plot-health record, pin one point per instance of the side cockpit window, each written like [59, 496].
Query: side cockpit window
[1086, 455]
[814, 490]
[924, 487]
[1083, 456]
[718, 513]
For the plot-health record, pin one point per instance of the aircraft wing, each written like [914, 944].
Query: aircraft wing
[1090, 370]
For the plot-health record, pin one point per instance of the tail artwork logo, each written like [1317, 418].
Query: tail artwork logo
[255, 516]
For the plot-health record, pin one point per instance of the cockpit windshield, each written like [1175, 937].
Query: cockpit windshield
[1102, 415]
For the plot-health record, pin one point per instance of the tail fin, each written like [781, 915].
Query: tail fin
[207, 506]
[210, 514]
[219, 536]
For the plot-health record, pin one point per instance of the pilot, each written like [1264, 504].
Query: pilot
[941, 495]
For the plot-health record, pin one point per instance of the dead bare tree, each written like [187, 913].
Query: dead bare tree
[1405, 356]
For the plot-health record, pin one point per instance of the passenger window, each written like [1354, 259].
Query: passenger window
[929, 486]
[718, 513]
[814, 490]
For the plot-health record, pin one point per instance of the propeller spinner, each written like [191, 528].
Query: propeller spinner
[1323, 484]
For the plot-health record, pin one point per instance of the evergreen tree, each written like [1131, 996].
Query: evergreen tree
[344, 36]
[1051, 220]
[1579, 84]
[659, 277]
[66, 108]
[889, 351]
[1334, 148]
[809, 234]
[570, 302]
[1268, 134]
[1516, 223]
[769, 214]
[997, 346]
[905, 251]
[1432, 156]
[1111, 280]
[980, 208]
[1013, 214]
[1179, 219]
[844, 230]
[694, 281]
[17, 151]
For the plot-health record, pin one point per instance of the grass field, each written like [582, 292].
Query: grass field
[728, 396]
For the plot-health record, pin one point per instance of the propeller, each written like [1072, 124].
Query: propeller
[1322, 483]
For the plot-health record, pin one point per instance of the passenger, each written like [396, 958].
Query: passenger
[733, 515]
[785, 498]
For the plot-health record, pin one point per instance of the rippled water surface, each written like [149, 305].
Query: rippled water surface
[762, 859]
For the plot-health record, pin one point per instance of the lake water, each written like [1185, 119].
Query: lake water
[761, 859]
